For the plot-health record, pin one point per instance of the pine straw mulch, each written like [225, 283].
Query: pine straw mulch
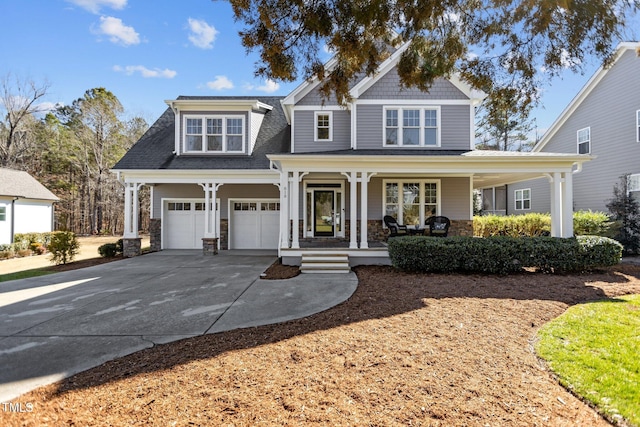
[405, 349]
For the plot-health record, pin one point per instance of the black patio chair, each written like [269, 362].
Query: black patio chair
[438, 225]
[395, 228]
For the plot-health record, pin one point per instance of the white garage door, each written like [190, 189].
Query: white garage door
[183, 224]
[255, 224]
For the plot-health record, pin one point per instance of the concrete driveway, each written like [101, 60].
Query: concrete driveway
[52, 327]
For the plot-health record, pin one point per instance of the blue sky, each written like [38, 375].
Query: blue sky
[148, 51]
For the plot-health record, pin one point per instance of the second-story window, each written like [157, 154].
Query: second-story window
[323, 126]
[214, 134]
[584, 141]
[411, 127]
[638, 126]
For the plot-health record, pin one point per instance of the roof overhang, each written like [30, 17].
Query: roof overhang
[217, 104]
[198, 176]
[487, 168]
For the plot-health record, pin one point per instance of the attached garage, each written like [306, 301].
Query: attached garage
[254, 224]
[183, 224]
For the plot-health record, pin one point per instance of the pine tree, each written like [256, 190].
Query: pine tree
[625, 210]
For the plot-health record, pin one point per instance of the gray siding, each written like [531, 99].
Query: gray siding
[455, 125]
[315, 98]
[610, 111]
[389, 87]
[540, 196]
[304, 129]
[455, 198]
[225, 192]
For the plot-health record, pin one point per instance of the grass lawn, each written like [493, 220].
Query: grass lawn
[24, 274]
[594, 349]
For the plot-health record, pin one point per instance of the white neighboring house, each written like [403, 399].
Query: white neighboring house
[26, 206]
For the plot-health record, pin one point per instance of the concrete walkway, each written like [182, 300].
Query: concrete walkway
[54, 326]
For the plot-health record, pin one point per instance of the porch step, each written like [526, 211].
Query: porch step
[322, 262]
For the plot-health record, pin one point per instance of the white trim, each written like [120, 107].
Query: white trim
[522, 199]
[638, 126]
[316, 127]
[233, 104]
[421, 181]
[354, 126]
[412, 102]
[319, 108]
[203, 122]
[421, 127]
[341, 208]
[587, 141]
[633, 182]
[582, 95]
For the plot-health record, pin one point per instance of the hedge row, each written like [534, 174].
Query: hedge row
[536, 224]
[503, 254]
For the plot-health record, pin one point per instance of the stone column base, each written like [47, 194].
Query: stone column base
[131, 247]
[210, 245]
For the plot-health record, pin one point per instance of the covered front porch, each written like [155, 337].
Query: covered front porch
[335, 203]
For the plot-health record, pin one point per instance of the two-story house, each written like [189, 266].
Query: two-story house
[602, 120]
[297, 172]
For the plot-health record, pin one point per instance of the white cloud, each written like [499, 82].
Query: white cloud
[146, 72]
[117, 31]
[269, 86]
[220, 83]
[94, 6]
[202, 34]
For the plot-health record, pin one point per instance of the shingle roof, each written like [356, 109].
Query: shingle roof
[155, 149]
[14, 183]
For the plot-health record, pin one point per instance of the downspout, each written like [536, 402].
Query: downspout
[13, 218]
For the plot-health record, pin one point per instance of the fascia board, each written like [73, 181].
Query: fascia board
[230, 176]
[582, 95]
[227, 104]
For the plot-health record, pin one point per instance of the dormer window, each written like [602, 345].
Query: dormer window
[411, 127]
[214, 134]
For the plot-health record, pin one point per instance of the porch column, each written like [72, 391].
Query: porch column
[295, 210]
[353, 210]
[567, 205]
[364, 207]
[284, 210]
[209, 214]
[131, 242]
[131, 210]
[556, 205]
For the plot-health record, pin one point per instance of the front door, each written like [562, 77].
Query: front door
[324, 213]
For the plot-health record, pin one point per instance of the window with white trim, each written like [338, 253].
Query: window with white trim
[411, 127]
[634, 182]
[3, 213]
[411, 202]
[214, 134]
[323, 126]
[638, 126]
[523, 199]
[584, 141]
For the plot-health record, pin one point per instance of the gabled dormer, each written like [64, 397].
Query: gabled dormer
[212, 126]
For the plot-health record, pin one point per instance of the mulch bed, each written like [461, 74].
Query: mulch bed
[405, 349]
[278, 271]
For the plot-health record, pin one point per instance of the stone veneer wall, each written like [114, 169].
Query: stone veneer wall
[155, 234]
[224, 234]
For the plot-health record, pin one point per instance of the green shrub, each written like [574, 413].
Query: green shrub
[503, 254]
[531, 224]
[588, 223]
[64, 247]
[108, 250]
[29, 239]
[536, 224]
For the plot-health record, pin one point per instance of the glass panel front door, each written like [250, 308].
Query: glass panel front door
[324, 213]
